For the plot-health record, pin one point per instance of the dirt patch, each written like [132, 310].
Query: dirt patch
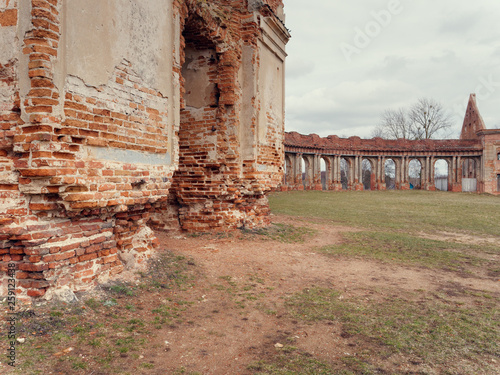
[463, 238]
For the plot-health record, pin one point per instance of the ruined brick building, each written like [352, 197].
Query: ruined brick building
[472, 162]
[117, 116]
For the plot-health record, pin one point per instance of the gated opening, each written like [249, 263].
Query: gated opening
[344, 174]
[305, 167]
[390, 174]
[323, 170]
[469, 175]
[441, 173]
[415, 174]
[366, 171]
[498, 182]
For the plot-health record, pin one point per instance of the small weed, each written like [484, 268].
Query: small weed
[215, 333]
[78, 364]
[110, 302]
[291, 362]
[256, 279]
[120, 289]
[183, 371]
[80, 329]
[92, 303]
[95, 343]
[134, 324]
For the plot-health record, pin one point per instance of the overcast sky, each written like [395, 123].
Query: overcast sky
[350, 60]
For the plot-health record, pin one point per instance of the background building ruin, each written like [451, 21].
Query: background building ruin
[472, 162]
[119, 116]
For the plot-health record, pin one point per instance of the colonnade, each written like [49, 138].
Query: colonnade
[345, 171]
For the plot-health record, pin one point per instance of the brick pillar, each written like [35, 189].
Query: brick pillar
[405, 185]
[298, 172]
[358, 178]
[317, 173]
[381, 171]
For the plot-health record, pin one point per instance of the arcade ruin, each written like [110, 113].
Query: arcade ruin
[121, 116]
[472, 162]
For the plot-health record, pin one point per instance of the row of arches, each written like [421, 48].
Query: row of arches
[324, 172]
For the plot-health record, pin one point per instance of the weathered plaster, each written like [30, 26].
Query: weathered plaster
[100, 33]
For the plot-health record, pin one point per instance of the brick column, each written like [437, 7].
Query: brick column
[317, 173]
[298, 172]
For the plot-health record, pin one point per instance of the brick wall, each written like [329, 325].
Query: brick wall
[215, 187]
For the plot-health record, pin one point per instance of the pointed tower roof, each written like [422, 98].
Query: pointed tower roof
[473, 122]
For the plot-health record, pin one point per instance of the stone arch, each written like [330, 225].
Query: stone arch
[441, 174]
[307, 171]
[345, 173]
[367, 175]
[415, 174]
[390, 174]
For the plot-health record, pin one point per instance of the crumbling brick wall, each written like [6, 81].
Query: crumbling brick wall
[95, 121]
[216, 187]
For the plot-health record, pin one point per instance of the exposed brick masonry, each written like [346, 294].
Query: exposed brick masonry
[86, 170]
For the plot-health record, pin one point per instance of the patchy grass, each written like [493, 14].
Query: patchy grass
[108, 330]
[280, 232]
[290, 362]
[427, 327]
[407, 249]
[245, 292]
[409, 211]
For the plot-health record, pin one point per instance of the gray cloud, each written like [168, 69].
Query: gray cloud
[444, 50]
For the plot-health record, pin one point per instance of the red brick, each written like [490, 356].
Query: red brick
[36, 292]
[33, 267]
[8, 17]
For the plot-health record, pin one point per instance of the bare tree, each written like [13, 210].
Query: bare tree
[428, 118]
[424, 120]
[394, 124]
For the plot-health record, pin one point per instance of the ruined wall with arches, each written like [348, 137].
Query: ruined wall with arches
[377, 164]
[470, 164]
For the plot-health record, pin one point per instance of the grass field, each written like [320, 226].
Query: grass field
[409, 211]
